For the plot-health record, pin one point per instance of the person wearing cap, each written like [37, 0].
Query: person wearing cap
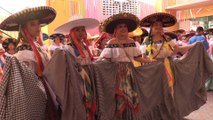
[34, 94]
[199, 37]
[9, 46]
[181, 86]
[57, 42]
[76, 29]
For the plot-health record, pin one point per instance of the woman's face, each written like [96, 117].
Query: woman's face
[121, 29]
[79, 32]
[11, 47]
[157, 28]
[57, 40]
[33, 27]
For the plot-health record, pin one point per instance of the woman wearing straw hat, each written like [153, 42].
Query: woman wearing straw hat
[126, 101]
[158, 46]
[181, 78]
[79, 48]
[28, 22]
[57, 42]
[156, 37]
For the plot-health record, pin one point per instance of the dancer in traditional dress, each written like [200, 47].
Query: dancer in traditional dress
[78, 47]
[187, 87]
[34, 101]
[118, 85]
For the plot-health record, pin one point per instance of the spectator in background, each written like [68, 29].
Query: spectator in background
[58, 40]
[101, 43]
[199, 37]
[9, 46]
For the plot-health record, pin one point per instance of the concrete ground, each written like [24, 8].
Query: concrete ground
[205, 112]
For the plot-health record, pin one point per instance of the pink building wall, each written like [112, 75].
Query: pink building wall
[93, 9]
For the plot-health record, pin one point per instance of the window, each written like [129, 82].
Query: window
[111, 7]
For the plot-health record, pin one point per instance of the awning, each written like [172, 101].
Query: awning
[189, 5]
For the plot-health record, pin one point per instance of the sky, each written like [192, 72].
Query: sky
[14, 6]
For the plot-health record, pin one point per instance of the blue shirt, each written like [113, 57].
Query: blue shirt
[199, 38]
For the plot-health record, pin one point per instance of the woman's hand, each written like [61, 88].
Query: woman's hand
[146, 60]
[150, 60]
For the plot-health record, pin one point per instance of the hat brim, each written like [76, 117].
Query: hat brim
[171, 35]
[45, 36]
[179, 31]
[44, 14]
[129, 19]
[145, 32]
[88, 23]
[8, 41]
[209, 30]
[53, 36]
[188, 34]
[166, 19]
[136, 32]
[131, 25]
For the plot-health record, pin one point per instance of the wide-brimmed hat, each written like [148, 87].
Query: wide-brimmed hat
[210, 30]
[136, 32]
[53, 36]
[7, 41]
[77, 21]
[94, 36]
[171, 35]
[44, 14]
[129, 19]
[179, 31]
[166, 19]
[188, 34]
[145, 32]
[45, 36]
